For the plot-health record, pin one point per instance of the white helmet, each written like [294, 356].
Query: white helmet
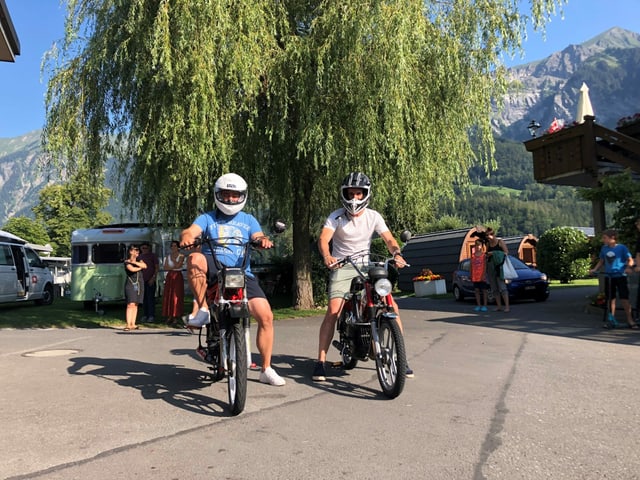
[235, 183]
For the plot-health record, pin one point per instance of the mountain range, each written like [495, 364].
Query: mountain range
[609, 64]
[22, 175]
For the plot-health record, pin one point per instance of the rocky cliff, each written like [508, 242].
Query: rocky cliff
[546, 89]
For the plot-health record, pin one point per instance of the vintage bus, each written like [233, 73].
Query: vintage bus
[98, 254]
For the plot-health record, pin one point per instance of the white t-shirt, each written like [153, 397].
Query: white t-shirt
[353, 234]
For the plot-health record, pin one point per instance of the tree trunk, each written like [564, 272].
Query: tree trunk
[303, 288]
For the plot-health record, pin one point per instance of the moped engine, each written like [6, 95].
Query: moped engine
[362, 341]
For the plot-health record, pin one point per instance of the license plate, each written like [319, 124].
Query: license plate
[530, 287]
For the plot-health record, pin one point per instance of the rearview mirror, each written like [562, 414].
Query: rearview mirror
[279, 226]
[405, 236]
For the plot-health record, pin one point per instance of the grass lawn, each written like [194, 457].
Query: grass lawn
[64, 313]
[581, 282]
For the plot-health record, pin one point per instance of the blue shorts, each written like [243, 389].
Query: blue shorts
[252, 286]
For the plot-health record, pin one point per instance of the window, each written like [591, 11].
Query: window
[465, 265]
[108, 253]
[6, 258]
[79, 254]
[34, 260]
[517, 264]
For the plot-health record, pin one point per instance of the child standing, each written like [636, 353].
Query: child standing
[617, 261]
[478, 276]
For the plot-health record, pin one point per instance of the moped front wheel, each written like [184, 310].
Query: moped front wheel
[236, 367]
[391, 364]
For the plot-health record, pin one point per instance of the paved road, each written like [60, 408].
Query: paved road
[542, 392]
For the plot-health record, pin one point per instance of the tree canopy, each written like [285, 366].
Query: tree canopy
[292, 94]
[28, 229]
[78, 203]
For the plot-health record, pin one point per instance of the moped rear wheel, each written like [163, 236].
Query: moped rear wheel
[349, 362]
[345, 345]
[391, 365]
[236, 367]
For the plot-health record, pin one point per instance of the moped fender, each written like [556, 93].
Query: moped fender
[239, 310]
[374, 332]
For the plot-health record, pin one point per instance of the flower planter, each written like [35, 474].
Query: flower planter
[630, 129]
[566, 157]
[429, 287]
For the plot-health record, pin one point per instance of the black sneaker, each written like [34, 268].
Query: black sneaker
[409, 373]
[319, 375]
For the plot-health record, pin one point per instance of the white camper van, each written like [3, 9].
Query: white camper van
[23, 274]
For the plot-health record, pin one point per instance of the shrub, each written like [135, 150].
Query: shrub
[563, 253]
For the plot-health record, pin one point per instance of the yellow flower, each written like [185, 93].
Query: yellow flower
[427, 275]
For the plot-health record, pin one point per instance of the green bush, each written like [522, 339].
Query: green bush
[563, 253]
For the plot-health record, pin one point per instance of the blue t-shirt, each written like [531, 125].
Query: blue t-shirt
[615, 259]
[240, 226]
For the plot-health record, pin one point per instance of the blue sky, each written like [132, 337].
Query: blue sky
[39, 23]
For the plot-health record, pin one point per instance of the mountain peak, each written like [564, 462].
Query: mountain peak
[608, 63]
[615, 37]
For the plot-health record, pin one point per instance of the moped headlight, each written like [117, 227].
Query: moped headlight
[234, 279]
[383, 287]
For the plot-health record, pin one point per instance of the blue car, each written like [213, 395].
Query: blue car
[530, 284]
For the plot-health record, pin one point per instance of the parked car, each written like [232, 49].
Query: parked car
[530, 284]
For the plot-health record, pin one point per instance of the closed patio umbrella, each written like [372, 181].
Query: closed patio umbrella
[584, 104]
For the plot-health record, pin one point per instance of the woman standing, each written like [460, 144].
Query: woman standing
[497, 252]
[133, 287]
[173, 296]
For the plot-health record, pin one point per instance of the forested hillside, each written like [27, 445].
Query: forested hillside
[511, 196]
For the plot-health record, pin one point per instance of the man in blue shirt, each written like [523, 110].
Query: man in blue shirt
[228, 220]
[617, 261]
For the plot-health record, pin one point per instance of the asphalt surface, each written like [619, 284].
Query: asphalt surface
[541, 392]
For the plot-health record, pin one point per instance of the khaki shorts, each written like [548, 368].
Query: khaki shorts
[340, 281]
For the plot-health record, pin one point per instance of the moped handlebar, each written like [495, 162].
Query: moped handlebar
[351, 259]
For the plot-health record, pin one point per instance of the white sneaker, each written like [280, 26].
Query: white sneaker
[201, 319]
[271, 377]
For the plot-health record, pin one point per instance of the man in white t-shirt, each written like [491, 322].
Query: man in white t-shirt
[350, 228]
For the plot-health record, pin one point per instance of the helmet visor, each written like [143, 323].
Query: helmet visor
[230, 197]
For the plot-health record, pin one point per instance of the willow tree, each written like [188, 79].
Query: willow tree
[292, 94]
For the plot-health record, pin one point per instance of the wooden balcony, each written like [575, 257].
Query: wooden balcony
[581, 154]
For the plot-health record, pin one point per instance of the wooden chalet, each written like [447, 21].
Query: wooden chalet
[582, 154]
[523, 248]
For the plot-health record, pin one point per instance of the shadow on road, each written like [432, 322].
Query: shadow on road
[173, 384]
[566, 314]
[354, 383]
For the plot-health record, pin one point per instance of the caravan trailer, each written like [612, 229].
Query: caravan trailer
[98, 254]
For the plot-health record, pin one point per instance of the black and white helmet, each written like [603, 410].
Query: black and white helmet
[355, 180]
[235, 183]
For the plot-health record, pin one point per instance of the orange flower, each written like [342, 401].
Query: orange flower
[427, 275]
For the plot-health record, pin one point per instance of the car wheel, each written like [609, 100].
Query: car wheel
[47, 296]
[457, 293]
